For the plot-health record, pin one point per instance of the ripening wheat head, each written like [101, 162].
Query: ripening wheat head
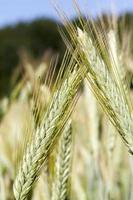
[100, 54]
[63, 165]
[43, 139]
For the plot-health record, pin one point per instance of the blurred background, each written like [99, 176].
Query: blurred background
[28, 29]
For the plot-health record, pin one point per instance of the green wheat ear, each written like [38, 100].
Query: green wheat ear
[106, 89]
[63, 165]
[45, 137]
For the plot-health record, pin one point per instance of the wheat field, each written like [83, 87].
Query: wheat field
[70, 137]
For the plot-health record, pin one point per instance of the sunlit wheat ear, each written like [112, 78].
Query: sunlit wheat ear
[63, 165]
[45, 137]
[106, 89]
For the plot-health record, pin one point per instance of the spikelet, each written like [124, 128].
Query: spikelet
[63, 165]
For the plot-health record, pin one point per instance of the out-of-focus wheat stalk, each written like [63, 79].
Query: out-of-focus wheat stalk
[2, 189]
[93, 147]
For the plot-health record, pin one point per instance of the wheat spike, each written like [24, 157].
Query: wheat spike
[44, 138]
[62, 170]
[106, 89]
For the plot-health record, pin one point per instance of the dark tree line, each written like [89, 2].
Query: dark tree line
[35, 37]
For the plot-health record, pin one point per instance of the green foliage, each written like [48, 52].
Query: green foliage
[36, 38]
